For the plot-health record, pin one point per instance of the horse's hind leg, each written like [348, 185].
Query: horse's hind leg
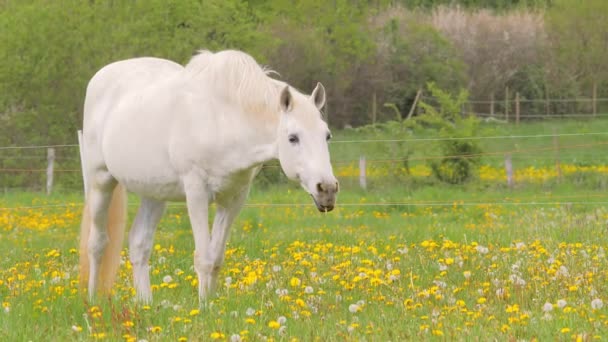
[98, 200]
[141, 237]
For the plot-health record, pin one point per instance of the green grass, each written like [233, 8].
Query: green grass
[419, 261]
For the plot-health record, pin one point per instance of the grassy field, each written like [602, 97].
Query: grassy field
[408, 259]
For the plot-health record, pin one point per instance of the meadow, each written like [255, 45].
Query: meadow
[409, 258]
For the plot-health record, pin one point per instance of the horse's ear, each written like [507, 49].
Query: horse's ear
[318, 96]
[286, 100]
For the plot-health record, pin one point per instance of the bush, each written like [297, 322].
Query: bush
[460, 156]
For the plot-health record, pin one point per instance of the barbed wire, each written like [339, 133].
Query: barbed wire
[421, 158]
[524, 136]
[36, 146]
[469, 138]
[522, 201]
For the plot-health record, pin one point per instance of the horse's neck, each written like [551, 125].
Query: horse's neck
[261, 143]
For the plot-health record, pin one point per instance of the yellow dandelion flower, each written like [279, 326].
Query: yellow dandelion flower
[274, 325]
[437, 332]
[216, 335]
[294, 282]
[127, 324]
[194, 312]
[565, 330]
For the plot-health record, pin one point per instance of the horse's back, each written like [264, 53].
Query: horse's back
[108, 90]
[117, 80]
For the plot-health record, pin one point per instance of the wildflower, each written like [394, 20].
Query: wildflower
[561, 303]
[249, 320]
[194, 312]
[547, 307]
[216, 335]
[597, 304]
[76, 328]
[274, 325]
[283, 331]
[354, 308]
[282, 320]
[235, 338]
[167, 279]
[182, 339]
[481, 300]
[308, 290]
[155, 329]
[294, 282]
[250, 312]
[127, 324]
[98, 336]
[565, 330]
[481, 249]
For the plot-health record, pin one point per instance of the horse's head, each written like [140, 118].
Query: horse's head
[302, 145]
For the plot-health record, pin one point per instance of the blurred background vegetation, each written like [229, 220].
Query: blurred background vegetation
[369, 54]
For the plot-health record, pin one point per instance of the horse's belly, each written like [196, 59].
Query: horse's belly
[164, 191]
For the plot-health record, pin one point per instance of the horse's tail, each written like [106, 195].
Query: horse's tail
[110, 262]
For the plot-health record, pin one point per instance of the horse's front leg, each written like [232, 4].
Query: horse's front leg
[224, 216]
[141, 238]
[197, 200]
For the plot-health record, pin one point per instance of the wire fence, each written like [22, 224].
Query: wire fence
[501, 153]
[590, 148]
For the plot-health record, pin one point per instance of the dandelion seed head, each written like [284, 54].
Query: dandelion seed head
[597, 304]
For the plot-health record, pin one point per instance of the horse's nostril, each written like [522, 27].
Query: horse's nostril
[319, 187]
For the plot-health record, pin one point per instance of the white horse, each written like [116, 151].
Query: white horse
[197, 133]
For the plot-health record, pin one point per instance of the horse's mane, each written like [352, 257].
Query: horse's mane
[237, 77]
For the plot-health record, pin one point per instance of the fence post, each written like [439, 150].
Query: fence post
[509, 170]
[492, 105]
[362, 173]
[50, 158]
[556, 147]
[517, 108]
[82, 163]
[507, 104]
[374, 108]
[594, 99]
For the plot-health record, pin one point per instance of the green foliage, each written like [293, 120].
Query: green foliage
[460, 156]
[578, 32]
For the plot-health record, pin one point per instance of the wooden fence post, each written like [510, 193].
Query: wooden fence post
[507, 104]
[594, 99]
[492, 105]
[556, 148]
[509, 170]
[374, 108]
[50, 158]
[82, 163]
[517, 108]
[362, 173]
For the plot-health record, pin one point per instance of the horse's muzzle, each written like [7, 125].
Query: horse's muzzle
[325, 198]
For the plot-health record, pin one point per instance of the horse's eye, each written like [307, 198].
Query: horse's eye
[328, 138]
[294, 139]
